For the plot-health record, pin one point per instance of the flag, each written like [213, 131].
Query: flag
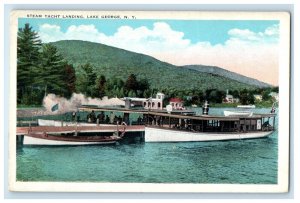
[55, 107]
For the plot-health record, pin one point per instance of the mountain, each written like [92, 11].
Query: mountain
[228, 74]
[120, 63]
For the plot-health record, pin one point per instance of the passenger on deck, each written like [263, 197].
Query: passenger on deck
[119, 119]
[91, 117]
[106, 119]
[101, 117]
[115, 119]
[74, 116]
[112, 117]
[182, 124]
[139, 120]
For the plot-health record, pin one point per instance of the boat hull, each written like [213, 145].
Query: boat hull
[42, 139]
[166, 135]
[246, 106]
[43, 122]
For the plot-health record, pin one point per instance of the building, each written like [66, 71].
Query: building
[146, 103]
[258, 97]
[228, 98]
[274, 95]
[176, 103]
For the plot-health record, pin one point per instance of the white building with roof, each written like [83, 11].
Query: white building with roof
[146, 103]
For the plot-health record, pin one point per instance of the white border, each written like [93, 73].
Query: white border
[283, 139]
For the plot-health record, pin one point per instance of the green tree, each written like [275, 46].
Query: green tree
[70, 80]
[131, 83]
[101, 86]
[266, 94]
[246, 97]
[235, 93]
[28, 46]
[51, 72]
[215, 96]
[86, 80]
[142, 86]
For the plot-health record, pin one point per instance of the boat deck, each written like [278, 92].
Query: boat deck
[67, 129]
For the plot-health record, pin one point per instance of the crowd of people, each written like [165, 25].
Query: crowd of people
[109, 118]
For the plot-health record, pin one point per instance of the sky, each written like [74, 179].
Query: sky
[247, 47]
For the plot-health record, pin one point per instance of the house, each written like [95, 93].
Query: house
[228, 98]
[274, 95]
[176, 103]
[146, 103]
[257, 97]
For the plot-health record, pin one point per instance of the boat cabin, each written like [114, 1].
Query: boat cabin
[205, 123]
[186, 120]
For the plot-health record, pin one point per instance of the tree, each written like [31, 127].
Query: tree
[101, 86]
[70, 80]
[142, 86]
[51, 71]
[214, 95]
[86, 80]
[28, 46]
[131, 83]
[235, 93]
[246, 97]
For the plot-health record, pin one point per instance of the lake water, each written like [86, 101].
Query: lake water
[239, 161]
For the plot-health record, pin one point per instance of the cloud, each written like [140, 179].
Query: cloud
[270, 35]
[50, 33]
[254, 54]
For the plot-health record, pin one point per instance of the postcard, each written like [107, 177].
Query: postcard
[149, 101]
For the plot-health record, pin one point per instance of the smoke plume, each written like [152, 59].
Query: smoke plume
[67, 105]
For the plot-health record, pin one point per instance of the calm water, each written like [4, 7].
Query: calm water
[240, 161]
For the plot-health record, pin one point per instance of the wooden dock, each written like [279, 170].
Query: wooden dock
[68, 129]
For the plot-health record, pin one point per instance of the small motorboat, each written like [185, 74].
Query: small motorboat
[68, 139]
[238, 113]
[246, 106]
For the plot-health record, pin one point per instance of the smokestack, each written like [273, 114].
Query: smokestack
[205, 108]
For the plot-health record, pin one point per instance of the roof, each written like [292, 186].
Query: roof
[176, 100]
[178, 115]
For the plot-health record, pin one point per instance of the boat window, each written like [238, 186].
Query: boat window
[158, 104]
[214, 123]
